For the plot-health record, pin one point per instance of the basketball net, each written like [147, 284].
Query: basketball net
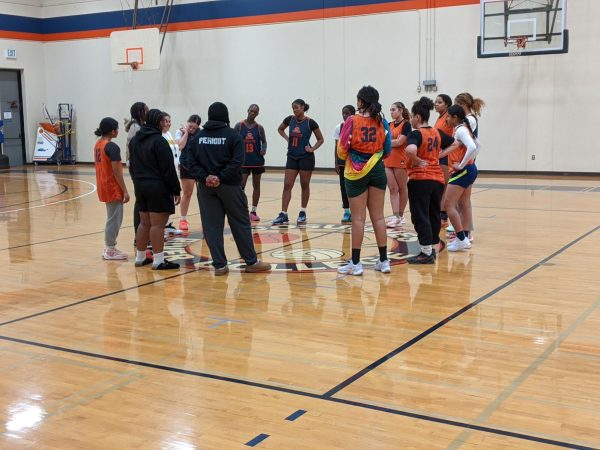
[128, 73]
[517, 43]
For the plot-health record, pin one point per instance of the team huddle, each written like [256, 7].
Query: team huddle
[432, 169]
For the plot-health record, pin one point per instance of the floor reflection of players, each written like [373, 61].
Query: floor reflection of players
[156, 331]
[118, 319]
[218, 325]
[444, 291]
[393, 300]
[304, 301]
[18, 224]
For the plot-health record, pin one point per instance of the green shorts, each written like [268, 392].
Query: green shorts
[376, 178]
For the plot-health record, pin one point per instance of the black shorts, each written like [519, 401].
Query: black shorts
[184, 174]
[306, 163]
[253, 170]
[153, 197]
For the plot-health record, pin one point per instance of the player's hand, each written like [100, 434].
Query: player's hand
[309, 149]
[337, 169]
[263, 152]
[126, 197]
[420, 163]
[176, 199]
[456, 166]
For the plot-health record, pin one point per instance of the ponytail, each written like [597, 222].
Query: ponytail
[369, 96]
[474, 104]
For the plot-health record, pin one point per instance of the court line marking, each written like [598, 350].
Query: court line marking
[398, 412]
[70, 237]
[65, 189]
[257, 440]
[358, 375]
[327, 396]
[524, 375]
[108, 294]
[60, 201]
[97, 297]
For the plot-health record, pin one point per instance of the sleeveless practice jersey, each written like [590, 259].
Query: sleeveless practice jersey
[367, 144]
[429, 151]
[252, 145]
[398, 157]
[108, 188]
[441, 124]
[457, 155]
[299, 137]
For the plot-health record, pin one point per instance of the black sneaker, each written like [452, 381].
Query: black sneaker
[166, 265]
[422, 258]
[145, 262]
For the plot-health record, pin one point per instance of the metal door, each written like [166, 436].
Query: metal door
[12, 114]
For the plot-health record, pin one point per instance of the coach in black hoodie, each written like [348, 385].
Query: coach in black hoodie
[156, 186]
[215, 159]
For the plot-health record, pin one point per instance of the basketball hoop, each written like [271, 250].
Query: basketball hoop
[134, 64]
[519, 43]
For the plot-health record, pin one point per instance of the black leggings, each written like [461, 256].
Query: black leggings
[345, 203]
[425, 197]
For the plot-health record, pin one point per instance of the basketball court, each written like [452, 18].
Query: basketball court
[497, 347]
[492, 348]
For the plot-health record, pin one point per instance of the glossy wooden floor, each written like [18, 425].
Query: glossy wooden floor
[497, 347]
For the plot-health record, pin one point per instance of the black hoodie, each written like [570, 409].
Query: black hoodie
[217, 150]
[151, 159]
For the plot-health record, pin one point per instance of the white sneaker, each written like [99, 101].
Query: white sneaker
[351, 269]
[471, 238]
[457, 245]
[171, 230]
[383, 266]
[114, 254]
[393, 222]
[402, 221]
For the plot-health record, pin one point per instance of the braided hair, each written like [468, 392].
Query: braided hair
[369, 96]
[138, 114]
[155, 117]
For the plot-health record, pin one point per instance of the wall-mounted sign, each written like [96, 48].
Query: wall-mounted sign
[10, 53]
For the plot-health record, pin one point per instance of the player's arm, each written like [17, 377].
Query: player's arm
[413, 142]
[283, 126]
[263, 140]
[319, 142]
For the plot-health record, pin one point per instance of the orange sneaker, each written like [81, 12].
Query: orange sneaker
[184, 225]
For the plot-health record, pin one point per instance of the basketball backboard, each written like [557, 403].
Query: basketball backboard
[135, 49]
[522, 27]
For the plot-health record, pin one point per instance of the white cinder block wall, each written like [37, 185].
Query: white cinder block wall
[539, 105]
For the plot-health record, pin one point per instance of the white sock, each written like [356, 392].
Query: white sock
[427, 249]
[253, 208]
[284, 212]
[184, 218]
[158, 259]
[303, 210]
[140, 255]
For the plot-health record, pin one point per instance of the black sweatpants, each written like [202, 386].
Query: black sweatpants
[425, 198]
[215, 204]
[345, 203]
